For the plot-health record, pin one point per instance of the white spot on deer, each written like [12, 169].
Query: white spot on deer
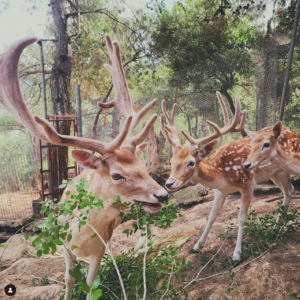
[284, 144]
[230, 162]
[236, 167]
[238, 158]
[227, 168]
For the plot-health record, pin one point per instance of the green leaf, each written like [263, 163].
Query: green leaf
[39, 253]
[67, 225]
[96, 294]
[2, 246]
[43, 210]
[96, 283]
[51, 217]
[94, 235]
[69, 237]
[58, 242]
[61, 186]
[84, 287]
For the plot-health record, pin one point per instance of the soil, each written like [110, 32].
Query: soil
[275, 275]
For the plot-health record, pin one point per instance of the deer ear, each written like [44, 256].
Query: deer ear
[208, 149]
[140, 148]
[277, 130]
[251, 134]
[86, 159]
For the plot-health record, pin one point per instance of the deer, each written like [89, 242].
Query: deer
[224, 172]
[268, 147]
[119, 169]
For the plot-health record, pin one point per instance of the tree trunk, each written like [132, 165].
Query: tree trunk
[153, 159]
[268, 82]
[60, 89]
[205, 127]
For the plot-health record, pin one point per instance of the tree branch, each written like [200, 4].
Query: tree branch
[100, 10]
[33, 72]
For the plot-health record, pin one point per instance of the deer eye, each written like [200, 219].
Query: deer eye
[191, 164]
[266, 145]
[116, 176]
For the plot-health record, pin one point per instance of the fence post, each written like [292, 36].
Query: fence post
[290, 59]
[79, 115]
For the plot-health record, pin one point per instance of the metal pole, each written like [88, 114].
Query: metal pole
[40, 43]
[290, 59]
[78, 108]
[79, 117]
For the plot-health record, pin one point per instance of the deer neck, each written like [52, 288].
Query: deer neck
[205, 175]
[289, 161]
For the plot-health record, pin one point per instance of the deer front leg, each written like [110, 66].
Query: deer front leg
[245, 203]
[283, 181]
[217, 205]
[69, 280]
[93, 269]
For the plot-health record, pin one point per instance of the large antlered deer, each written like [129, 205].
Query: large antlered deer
[119, 170]
[267, 147]
[224, 171]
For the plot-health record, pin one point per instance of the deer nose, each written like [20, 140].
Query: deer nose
[169, 184]
[247, 165]
[161, 198]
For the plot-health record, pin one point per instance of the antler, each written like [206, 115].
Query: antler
[12, 99]
[239, 119]
[169, 132]
[122, 98]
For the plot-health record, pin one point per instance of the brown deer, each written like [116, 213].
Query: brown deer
[119, 170]
[224, 171]
[277, 145]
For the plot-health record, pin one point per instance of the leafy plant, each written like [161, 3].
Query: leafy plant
[140, 272]
[44, 281]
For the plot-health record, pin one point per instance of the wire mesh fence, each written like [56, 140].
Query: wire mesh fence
[17, 191]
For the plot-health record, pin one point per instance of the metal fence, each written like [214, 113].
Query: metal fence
[17, 181]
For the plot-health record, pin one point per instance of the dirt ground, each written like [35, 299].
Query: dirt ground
[274, 276]
[15, 205]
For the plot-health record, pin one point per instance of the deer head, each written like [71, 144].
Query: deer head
[119, 169]
[186, 159]
[263, 146]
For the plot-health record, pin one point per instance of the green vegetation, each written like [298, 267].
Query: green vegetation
[157, 262]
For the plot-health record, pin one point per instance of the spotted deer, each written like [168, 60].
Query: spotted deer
[277, 145]
[119, 170]
[224, 172]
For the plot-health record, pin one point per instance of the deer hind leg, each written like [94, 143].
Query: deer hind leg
[283, 181]
[217, 205]
[69, 280]
[246, 197]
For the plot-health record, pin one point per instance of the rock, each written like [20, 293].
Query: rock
[59, 276]
[191, 195]
[4, 236]
[13, 226]
[3, 226]
[47, 292]
[17, 247]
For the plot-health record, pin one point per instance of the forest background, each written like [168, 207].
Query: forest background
[181, 51]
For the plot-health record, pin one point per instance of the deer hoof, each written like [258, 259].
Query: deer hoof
[193, 251]
[236, 256]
